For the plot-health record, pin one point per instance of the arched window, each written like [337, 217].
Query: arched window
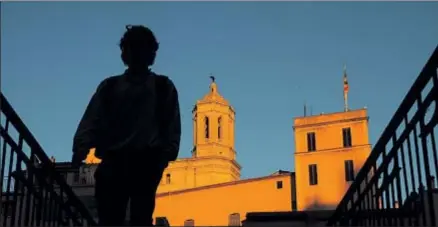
[189, 222]
[234, 219]
[161, 221]
[168, 178]
[219, 127]
[206, 127]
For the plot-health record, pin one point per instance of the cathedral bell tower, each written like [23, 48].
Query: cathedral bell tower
[213, 126]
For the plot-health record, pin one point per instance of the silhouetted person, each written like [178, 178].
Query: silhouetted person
[133, 121]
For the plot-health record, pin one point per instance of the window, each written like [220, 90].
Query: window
[189, 222]
[346, 136]
[311, 143]
[279, 184]
[168, 178]
[219, 127]
[161, 221]
[206, 127]
[349, 170]
[313, 174]
[234, 219]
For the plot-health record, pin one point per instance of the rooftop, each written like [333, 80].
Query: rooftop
[334, 117]
[272, 176]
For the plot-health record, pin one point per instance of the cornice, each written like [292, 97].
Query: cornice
[224, 184]
[339, 149]
[318, 124]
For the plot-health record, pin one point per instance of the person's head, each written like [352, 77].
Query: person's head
[139, 46]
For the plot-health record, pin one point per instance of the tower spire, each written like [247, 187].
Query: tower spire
[346, 88]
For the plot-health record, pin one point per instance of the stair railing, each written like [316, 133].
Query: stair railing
[396, 185]
[32, 192]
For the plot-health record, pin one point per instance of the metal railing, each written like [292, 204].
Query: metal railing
[32, 192]
[396, 185]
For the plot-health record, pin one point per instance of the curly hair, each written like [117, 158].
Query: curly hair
[138, 45]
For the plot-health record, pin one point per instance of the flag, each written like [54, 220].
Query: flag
[345, 81]
[345, 89]
[345, 84]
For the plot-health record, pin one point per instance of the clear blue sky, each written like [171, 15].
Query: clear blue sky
[268, 59]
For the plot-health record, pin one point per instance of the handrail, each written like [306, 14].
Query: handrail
[354, 198]
[32, 197]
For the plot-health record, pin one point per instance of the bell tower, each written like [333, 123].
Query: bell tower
[213, 126]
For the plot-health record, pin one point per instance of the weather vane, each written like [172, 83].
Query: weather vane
[212, 77]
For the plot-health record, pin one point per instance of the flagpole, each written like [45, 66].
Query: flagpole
[346, 88]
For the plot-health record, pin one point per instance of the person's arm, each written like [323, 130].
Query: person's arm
[172, 123]
[85, 136]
